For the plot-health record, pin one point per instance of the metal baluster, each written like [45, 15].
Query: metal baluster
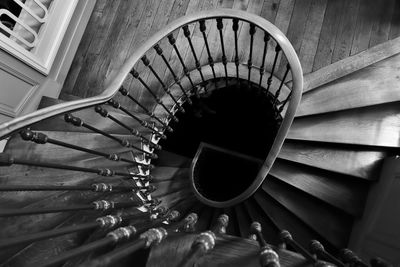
[99, 187]
[125, 92]
[176, 79]
[220, 25]
[103, 112]
[266, 40]
[8, 160]
[286, 237]
[146, 62]
[235, 27]
[221, 224]
[100, 205]
[147, 239]
[135, 74]
[112, 238]
[252, 31]
[268, 257]
[277, 93]
[317, 248]
[172, 41]
[351, 258]
[79, 122]
[210, 58]
[269, 81]
[106, 222]
[205, 241]
[41, 138]
[186, 225]
[145, 124]
[284, 103]
[186, 33]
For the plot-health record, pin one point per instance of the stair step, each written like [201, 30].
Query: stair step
[374, 126]
[170, 159]
[17, 147]
[167, 187]
[285, 220]
[228, 251]
[359, 89]
[204, 221]
[231, 229]
[243, 221]
[359, 161]
[170, 173]
[345, 193]
[328, 222]
[92, 118]
[269, 229]
[25, 175]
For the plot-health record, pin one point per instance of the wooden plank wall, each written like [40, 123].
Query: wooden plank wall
[322, 31]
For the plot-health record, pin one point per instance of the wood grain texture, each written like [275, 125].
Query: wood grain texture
[228, 251]
[346, 30]
[372, 85]
[363, 26]
[363, 162]
[284, 218]
[326, 221]
[381, 25]
[351, 64]
[375, 125]
[326, 44]
[269, 229]
[243, 220]
[344, 193]
[312, 32]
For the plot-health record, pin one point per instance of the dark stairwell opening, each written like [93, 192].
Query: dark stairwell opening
[239, 118]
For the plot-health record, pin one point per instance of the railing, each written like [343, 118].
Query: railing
[135, 121]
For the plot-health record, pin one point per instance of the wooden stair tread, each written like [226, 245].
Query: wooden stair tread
[170, 173]
[170, 159]
[231, 229]
[358, 161]
[17, 147]
[228, 251]
[204, 220]
[375, 126]
[351, 64]
[284, 219]
[243, 221]
[345, 193]
[167, 187]
[330, 224]
[269, 229]
[94, 119]
[359, 89]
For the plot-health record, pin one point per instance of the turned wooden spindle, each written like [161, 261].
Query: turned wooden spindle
[268, 257]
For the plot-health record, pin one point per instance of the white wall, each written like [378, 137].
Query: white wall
[22, 87]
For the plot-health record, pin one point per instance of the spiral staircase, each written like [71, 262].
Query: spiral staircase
[123, 178]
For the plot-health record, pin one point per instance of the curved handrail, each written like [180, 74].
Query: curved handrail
[117, 81]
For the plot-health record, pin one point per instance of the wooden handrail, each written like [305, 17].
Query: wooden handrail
[297, 76]
[117, 80]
